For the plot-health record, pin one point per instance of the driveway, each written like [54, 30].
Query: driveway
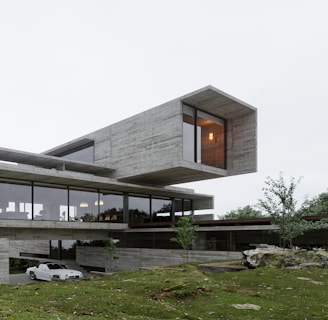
[22, 278]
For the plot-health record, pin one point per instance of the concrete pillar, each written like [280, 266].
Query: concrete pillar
[4, 260]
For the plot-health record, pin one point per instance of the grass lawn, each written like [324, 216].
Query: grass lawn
[180, 292]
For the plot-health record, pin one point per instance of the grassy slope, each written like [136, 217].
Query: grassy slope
[180, 292]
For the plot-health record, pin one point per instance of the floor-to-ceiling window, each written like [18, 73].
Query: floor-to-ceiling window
[161, 209]
[50, 203]
[15, 200]
[139, 209]
[83, 205]
[204, 138]
[110, 207]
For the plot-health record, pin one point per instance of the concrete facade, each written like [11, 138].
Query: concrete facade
[141, 156]
[131, 259]
[4, 260]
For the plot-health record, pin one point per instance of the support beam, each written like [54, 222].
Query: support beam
[4, 260]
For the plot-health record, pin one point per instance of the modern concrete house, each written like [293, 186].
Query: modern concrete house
[117, 181]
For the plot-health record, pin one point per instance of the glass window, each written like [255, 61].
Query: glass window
[15, 201]
[208, 146]
[139, 209]
[83, 205]
[161, 210]
[182, 207]
[210, 140]
[110, 207]
[50, 203]
[84, 154]
[188, 134]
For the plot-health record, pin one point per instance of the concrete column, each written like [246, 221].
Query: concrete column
[4, 260]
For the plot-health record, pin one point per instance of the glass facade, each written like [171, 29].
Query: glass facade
[139, 209]
[204, 138]
[50, 203]
[36, 201]
[83, 205]
[111, 207]
[161, 209]
[15, 201]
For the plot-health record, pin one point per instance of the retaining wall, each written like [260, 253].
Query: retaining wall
[131, 259]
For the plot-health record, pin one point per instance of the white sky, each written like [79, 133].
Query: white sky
[68, 68]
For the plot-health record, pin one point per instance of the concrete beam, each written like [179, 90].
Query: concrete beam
[4, 260]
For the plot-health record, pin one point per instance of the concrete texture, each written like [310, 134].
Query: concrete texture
[131, 259]
[4, 260]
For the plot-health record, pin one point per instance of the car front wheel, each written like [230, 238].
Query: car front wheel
[32, 275]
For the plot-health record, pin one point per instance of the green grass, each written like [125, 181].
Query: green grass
[180, 292]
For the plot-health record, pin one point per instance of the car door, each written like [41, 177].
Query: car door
[43, 272]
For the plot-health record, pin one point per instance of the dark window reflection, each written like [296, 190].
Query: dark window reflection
[161, 210]
[110, 207]
[139, 209]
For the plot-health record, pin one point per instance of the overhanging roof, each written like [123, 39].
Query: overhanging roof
[50, 162]
[218, 103]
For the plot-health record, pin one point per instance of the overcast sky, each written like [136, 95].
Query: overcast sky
[68, 68]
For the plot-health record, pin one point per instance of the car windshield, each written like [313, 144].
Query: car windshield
[54, 266]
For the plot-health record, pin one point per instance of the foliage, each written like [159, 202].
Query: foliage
[18, 264]
[316, 206]
[246, 212]
[185, 233]
[111, 248]
[180, 292]
[280, 203]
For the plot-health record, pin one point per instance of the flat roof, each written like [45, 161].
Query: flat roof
[51, 162]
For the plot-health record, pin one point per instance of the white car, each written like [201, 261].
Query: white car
[52, 271]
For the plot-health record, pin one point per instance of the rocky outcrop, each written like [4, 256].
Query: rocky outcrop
[276, 257]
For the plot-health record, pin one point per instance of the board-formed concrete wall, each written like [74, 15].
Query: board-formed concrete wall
[28, 246]
[149, 141]
[242, 144]
[131, 259]
[4, 260]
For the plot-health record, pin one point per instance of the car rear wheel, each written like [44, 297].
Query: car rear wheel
[32, 275]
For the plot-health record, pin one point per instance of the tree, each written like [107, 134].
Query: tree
[110, 245]
[185, 236]
[246, 212]
[317, 206]
[280, 204]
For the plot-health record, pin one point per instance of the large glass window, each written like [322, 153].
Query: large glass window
[161, 210]
[111, 207]
[50, 203]
[183, 207]
[211, 140]
[203, 138]
[139, 209]
[188, 134]
[15, 201]
[83, 205]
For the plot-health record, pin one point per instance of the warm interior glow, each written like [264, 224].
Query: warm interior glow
[211, 136]
[84, 205]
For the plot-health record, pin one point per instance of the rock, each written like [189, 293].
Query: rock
[246, 306]
[285, 258]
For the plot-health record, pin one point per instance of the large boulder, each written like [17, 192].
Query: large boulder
[276, 257]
